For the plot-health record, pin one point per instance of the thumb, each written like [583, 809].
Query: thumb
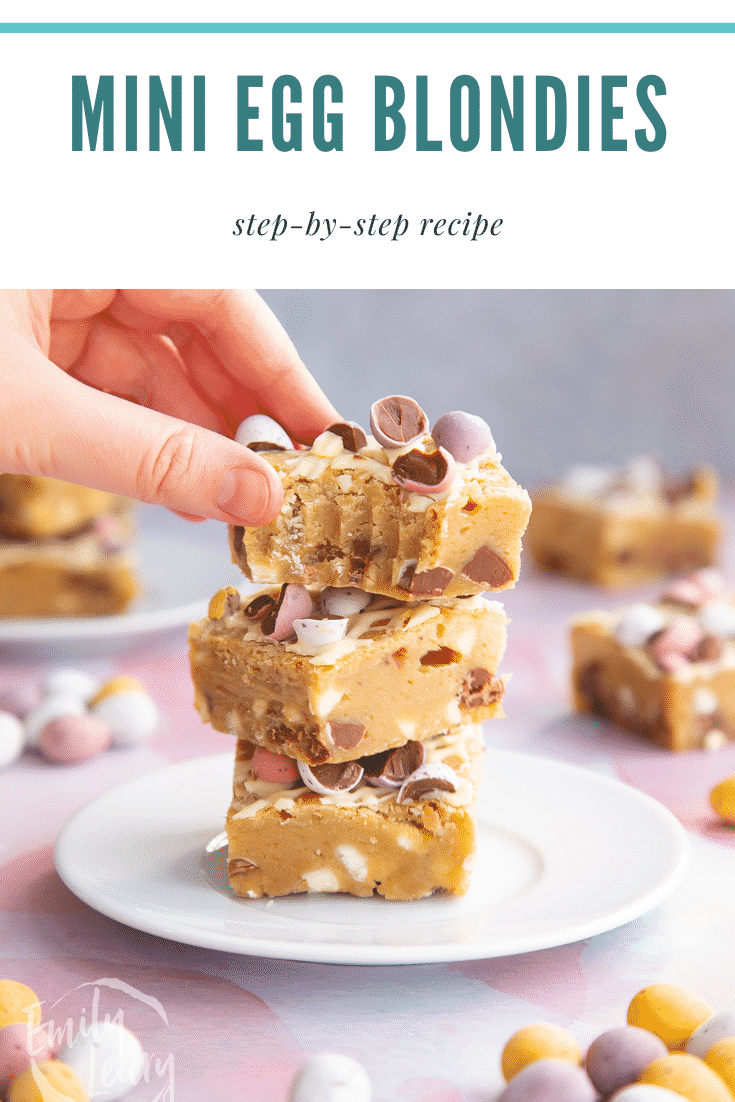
[68, 430]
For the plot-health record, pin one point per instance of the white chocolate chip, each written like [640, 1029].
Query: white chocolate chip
[717, 618]
[586, 481]
[325, 703]
[406, 841]
[344, 602]
[638, 624]
[319, 633]
[344, 481]
[327, 445]
[704, 702]
[321, 880]
[353, 861]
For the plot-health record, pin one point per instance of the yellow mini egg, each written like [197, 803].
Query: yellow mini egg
[224, 601]
[721, 1058]
[688, 1076]
[53, 1081]
[722, 799]
[121, 684]
[15, 1001]
[540, 1041]
[672, 1013]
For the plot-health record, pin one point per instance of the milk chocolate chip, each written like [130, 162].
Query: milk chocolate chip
[434, 777]
[429, 583]
[444, 656]
[487, 568]
[397, 420]
[346, 735]
[480, 689]
[238, 535]
[260, 607]
[332, 777]
[352, 435]
[709, 649]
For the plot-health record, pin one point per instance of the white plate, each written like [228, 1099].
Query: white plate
[180, 565]
[563, 854]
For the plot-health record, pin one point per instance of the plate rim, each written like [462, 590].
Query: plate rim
[324, 952]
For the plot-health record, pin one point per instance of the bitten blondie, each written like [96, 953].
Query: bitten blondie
[397, 824]
[664, 670]
[351, 674]
[404, 513]
[624, 527]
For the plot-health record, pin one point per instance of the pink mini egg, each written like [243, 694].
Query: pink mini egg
[16, 1053]
[549, 1081]
[675, 642]
[617, 1057]
[276, 768]
[69, 739]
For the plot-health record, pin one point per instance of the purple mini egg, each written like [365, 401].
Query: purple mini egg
[617, 1057]
[16, 1053]
[19, 699]
[549, 1081]
[70, 739]
[463, 435]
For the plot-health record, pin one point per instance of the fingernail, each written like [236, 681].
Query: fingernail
[245, 496]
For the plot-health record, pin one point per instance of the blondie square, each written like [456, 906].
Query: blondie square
[618, 528]
[664, 670]
[381, 825]
[389, 672]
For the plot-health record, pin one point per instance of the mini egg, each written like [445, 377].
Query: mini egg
[672, 1013]
[108, 1059]
[319, 633]
[719, 1028]
[67, 740]
[294, 603]
[689, 1076]
[644, 1092]
[721, 1058]
[276, 768]
[12, 738]
[59, 1078]
[67, 682]
[18, 1050]
[618, 1056]
[344, 602]
[537, 1042]
[47, 710]
[125, 706]
[722, 799]
[16, 1002]
[549, 1080]
[262, 430]
[463, 435]
[19, 699]
[329, 1078]
[638, 624]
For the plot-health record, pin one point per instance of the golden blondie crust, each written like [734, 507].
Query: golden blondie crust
[406, 671]
[89, 574]
[346, 521]
[618, 534]
[32, 507]
[664, 670]
[402, 843]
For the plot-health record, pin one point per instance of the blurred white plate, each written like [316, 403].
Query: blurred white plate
[563, 854]
[180, 566]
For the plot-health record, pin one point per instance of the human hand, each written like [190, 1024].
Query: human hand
[140, 393]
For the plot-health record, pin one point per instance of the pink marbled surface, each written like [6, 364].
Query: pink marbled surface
[237, 1027]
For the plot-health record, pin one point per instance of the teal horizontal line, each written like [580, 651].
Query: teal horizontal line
[367, 28]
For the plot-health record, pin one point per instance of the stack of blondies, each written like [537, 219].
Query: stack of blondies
[64, 549]
[356, 680]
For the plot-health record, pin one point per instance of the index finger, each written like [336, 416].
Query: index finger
[250, 345]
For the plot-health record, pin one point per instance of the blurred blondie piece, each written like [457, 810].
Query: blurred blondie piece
[321, 686]
[34, 508]
[665, 670]
[624, 527]
[397, 824]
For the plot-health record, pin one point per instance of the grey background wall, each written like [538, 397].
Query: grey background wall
[560, 376]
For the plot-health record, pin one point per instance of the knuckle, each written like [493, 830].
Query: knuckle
[167, 464]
